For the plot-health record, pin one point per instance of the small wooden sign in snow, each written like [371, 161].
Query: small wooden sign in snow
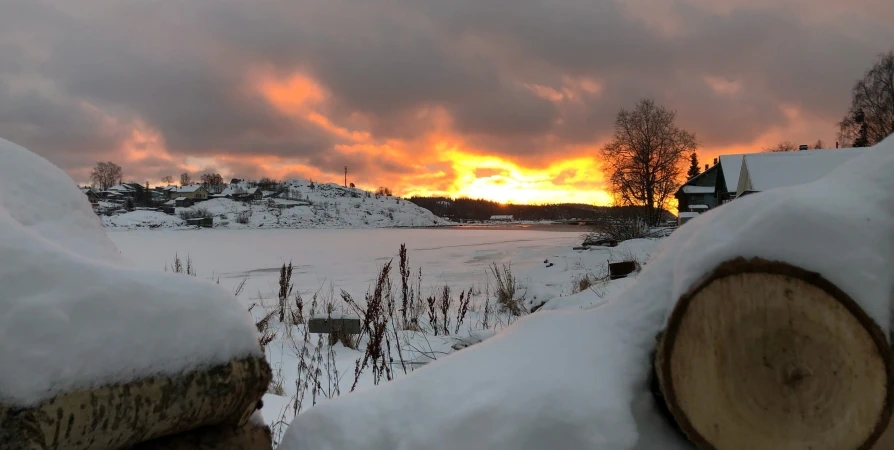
[335, 323]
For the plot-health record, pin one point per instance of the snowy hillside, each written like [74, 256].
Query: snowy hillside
[298, 204]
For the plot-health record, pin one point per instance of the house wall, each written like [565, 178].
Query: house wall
[706, 179]
[744, 179]
[200, 194]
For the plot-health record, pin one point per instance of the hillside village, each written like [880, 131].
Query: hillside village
[294, 203]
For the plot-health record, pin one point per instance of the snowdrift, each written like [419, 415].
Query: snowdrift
[582, 379]
[117, 353]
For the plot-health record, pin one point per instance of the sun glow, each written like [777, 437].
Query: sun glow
[573, 180]
[440, 162]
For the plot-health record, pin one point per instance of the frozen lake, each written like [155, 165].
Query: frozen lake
[349, 259]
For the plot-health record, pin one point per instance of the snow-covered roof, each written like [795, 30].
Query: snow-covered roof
[698, 206]
[780, 169]
[687, 214]
[698, 189]
[501, 217]
[180, 198]
[190, 188]
[121, 188]
[731, 165]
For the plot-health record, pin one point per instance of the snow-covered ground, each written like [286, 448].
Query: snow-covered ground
[306, 205]
[326, 261]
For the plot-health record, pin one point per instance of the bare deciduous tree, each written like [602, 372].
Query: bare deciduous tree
[870, 118]
[645, 157]
[213, 182]
[383, 191]
[185, 179]
[106, 174]
[784, 146]
[819, 144]
[167, 179]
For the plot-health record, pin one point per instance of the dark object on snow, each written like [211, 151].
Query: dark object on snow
[251, 436]
[545, 261]
[550, 265]
[204, 222]
[599, 242]
[621, 269]
[582, 247]
[337, 327]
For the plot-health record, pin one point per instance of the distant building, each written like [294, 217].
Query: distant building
[92, 196]
[193, 192]
[123, 190]
[502, 218]
[249, 195]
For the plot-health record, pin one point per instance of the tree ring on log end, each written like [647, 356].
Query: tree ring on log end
[766, 355]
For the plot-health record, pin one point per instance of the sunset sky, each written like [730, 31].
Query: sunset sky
[502, 99]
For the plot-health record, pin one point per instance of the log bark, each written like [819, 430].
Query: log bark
[122, 415]
[251, 436]
[763, 354]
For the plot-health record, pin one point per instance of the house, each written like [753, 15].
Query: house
[195, 192]
[170, 192]
[124, 190]
[765, 171]
[713, 187]
[183, 202]
[502, 218]
[92, 196]
[249, 195]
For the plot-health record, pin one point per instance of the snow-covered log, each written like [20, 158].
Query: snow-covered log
[121, 415]
[251, 436]
[763, 354]
[95, 353]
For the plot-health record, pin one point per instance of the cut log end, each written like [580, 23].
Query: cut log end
[766, 355]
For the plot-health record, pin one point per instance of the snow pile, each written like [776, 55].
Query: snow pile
[75, 314]
[143, 219]
[302, 204]
[580, 379]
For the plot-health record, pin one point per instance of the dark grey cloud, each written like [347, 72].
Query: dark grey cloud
[76, 78]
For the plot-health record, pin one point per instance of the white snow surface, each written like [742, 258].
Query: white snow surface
[143, 219]
[562, 379]
[74, 313]
[780, 169]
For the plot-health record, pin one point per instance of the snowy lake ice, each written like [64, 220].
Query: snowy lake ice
[345, 258]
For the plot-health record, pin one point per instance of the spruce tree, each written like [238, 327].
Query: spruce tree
[694, 170]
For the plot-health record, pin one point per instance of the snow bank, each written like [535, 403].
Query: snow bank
[579, 379]
[143, 219]
[75, 314]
